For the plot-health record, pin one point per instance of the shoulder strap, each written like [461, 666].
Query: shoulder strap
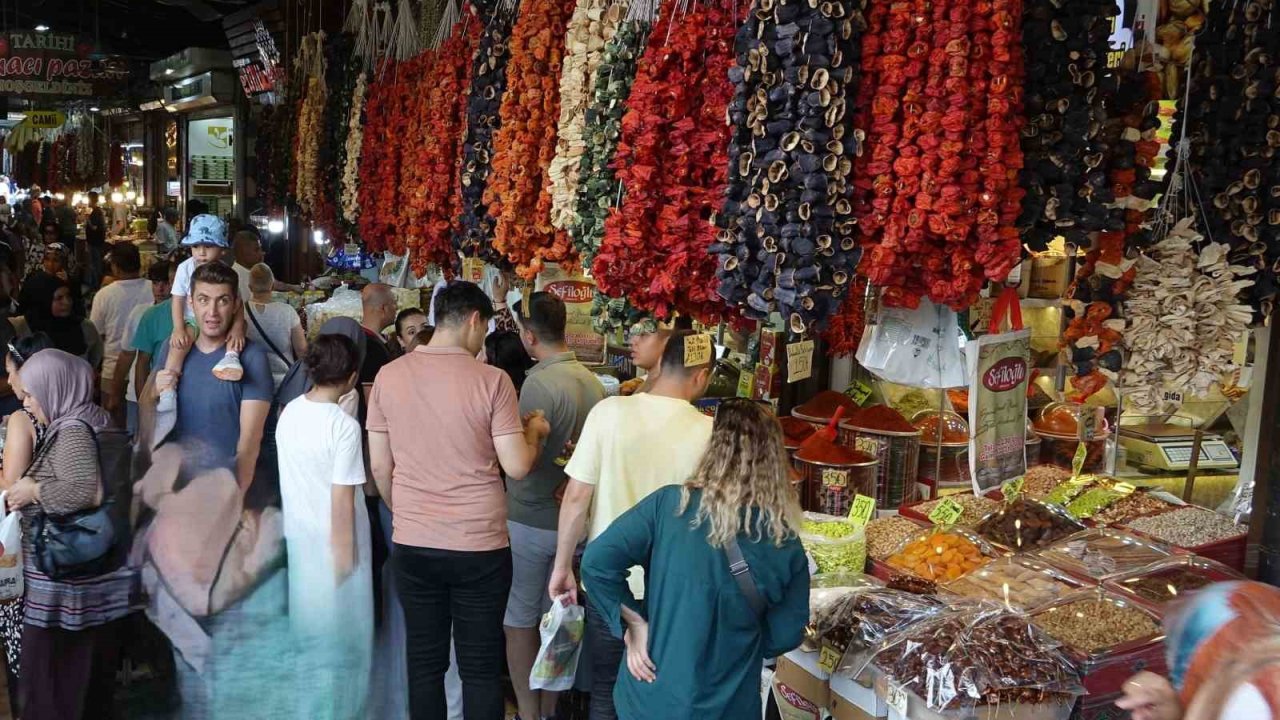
[742, 575]
[265, 337]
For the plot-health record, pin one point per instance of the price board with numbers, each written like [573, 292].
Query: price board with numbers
[862, 510]
[799, 361]
[946, 512]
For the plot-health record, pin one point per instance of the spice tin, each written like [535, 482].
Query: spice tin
[899, 456]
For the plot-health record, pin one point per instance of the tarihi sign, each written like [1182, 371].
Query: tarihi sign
[33, 63]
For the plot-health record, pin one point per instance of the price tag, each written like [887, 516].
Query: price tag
[828, 659]
[525, 296]
[946, 512]
[472, 269]
[799, 361]
[859, 391]
[896, 698]
[1088, 424]
[1125, 488]
[862, 510]
[1013, 488]
[867, 445]
[697, 350]
[1077, 462]
[746, 382]
[834, 478]
[1173, 396]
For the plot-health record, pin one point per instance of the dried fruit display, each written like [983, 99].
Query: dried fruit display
[474, 229]
[342, 72]
[380, 159]
[939, 556]
[1101, 554]
[1066, 48]
[311, 63]
[787, 241]
[885, 535]
[1232, 123]
[1015, 582]
[429, 172]
[975, 508]
[524, 144]
[598, 187]
[937, 188]
[593, 24]
[671, 161]
[1026, 525]
[349, 197]
[1184, 318]
[1132, 506]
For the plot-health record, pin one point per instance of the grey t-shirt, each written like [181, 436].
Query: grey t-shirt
[565, 391]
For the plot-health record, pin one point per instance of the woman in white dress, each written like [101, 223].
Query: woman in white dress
[326, 529]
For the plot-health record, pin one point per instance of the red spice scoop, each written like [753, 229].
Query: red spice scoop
[822, 441]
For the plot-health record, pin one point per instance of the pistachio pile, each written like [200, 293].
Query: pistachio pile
[975, 508]
[1095, 625]
[1188, 527]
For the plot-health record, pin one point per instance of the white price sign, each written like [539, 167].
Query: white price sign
[896, 698]
[799, 361]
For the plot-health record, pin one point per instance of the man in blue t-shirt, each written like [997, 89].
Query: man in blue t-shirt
[220, 423]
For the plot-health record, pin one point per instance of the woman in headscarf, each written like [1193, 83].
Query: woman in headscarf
[297, 381]
[70, 635]
[51, 306]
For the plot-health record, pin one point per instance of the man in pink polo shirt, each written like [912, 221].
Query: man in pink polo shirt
[443, 427]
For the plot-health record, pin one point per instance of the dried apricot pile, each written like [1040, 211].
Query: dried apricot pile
[940, 557]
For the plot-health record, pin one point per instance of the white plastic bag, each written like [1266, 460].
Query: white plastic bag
[11, 587]
[919, 348]
[557, 662]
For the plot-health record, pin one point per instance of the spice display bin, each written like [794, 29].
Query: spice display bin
[829, 488]
[1104, 672]
[1209, 570]
[899, 456]
[1230, 552]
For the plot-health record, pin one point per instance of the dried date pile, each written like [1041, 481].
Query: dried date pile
[1024, 524]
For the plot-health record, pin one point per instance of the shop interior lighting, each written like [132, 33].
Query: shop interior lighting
[59, 196]
[42, 28]
[317, 236]
[117, 197]
[139, 201]
[275, 227]
[130, 195]
[77, 199]
[94, 108]
[168, 71]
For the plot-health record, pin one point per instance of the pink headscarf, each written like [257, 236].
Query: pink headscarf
[63, 385]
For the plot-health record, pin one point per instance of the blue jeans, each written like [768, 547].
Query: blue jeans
[606, 661]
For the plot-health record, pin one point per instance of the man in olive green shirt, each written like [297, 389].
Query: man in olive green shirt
[565, 391]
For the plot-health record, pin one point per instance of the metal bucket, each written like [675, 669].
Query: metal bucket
[829, 488]
[899, 456]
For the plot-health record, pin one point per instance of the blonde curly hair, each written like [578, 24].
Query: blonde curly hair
[745, 466]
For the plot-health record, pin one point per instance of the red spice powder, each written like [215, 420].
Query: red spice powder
[824, 404]
[880, 417]
[795, 429]
[832, 454]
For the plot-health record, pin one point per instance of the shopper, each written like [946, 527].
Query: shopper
[410, 323]
[451, 555]
[66, 217]
[702, 657]
[70, 636]
[378, 311]
[629, 447]
[6, 211]
[51, 305]
[275, 325]
[112, 307]
[23, 433]
[166, 236]
[246, 249]
[133, 363]
[326, 530]
[565, 391]
[647, 342]
[95, 240]
[504, 350]
[208, 241]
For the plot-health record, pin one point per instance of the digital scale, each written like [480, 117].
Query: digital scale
[1161, 446]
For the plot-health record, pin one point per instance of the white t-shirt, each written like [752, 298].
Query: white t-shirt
[278, 320]
[319, 445]
[130, 331]
[244, 274]
[632, 446]
[110, 314]
[182, 286]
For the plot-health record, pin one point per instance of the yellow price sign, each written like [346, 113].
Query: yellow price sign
[1077, 462]
[828, 659]
[473, 270]
[946, 512]
[46, 119]
[746, 382]
[1125, 488]
[858, 391]
[862, 510]
[1013, 488]
[697, 350]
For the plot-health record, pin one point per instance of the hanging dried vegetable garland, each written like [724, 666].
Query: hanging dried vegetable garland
[598, 186]
[349, 204]
[380, 160]
[938, 190]
[524, 144]
[472, 237]
[672, 163]
[787, 240]
[342, 68]
[593, 24]
[844, 332]
[1232, 116]
[310, 120]
[1066, 47]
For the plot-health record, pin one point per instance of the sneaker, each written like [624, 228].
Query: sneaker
[228, 368]
[168, 401]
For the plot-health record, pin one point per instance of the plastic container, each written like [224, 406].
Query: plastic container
[1099, 554]
[1103, 672]
[899, 456]
[829, 487]
[1172, 579]
[938, 562]
[834, 553]
[1019, 583]
[1026, 539]
[944, 453]
[1058, 426]
[1231, 551]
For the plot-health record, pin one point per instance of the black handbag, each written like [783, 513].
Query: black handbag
[78, 544]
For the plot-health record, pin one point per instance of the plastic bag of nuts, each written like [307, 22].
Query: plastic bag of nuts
[1027, 525]
[979, 655]
[1100, 554]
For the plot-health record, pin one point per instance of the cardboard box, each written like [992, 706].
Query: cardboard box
[851, 700]
[799, 671]
[771, 342]
[768, 384]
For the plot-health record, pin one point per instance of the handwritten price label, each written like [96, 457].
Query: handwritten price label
[835, 478]
[896, 698]
[946, 512]
[697, 350]
[862, 510]
[746, 382]
[799, 361]
[828, 659]
[1013, 488]
[473, 269]
[858, 391]
[868, 445]
[1077, 462]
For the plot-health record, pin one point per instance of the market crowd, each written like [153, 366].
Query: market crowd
[373, 522]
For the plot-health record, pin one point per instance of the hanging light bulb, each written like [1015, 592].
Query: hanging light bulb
[117, 197]
[140, 202]
[275, 227]
[130, 195]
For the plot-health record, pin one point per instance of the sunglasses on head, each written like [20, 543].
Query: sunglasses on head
[17, 356]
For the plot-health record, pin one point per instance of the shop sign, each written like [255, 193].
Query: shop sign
[578, 293]
[33, 63]
[46, 119]
[997, 378]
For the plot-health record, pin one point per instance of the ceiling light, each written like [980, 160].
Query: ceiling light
[275, 226]
[42, 28]
[129, 195]
[139, 201]
[94, 108]
[117, 197]
[318, 236]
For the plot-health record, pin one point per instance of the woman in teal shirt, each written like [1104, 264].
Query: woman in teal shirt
[695, 646]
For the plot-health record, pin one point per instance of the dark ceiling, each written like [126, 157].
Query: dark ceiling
[140, 29]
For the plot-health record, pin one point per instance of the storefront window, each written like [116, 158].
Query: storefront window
[211, 163]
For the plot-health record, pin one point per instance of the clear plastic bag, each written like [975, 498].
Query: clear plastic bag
[856, 623]
[978, 655]
[11, 582]
[556, 664]
[833, 543]
[1018, 583]
[940, 555]
[922, 348]
[1101, 554]
[1023, 524]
